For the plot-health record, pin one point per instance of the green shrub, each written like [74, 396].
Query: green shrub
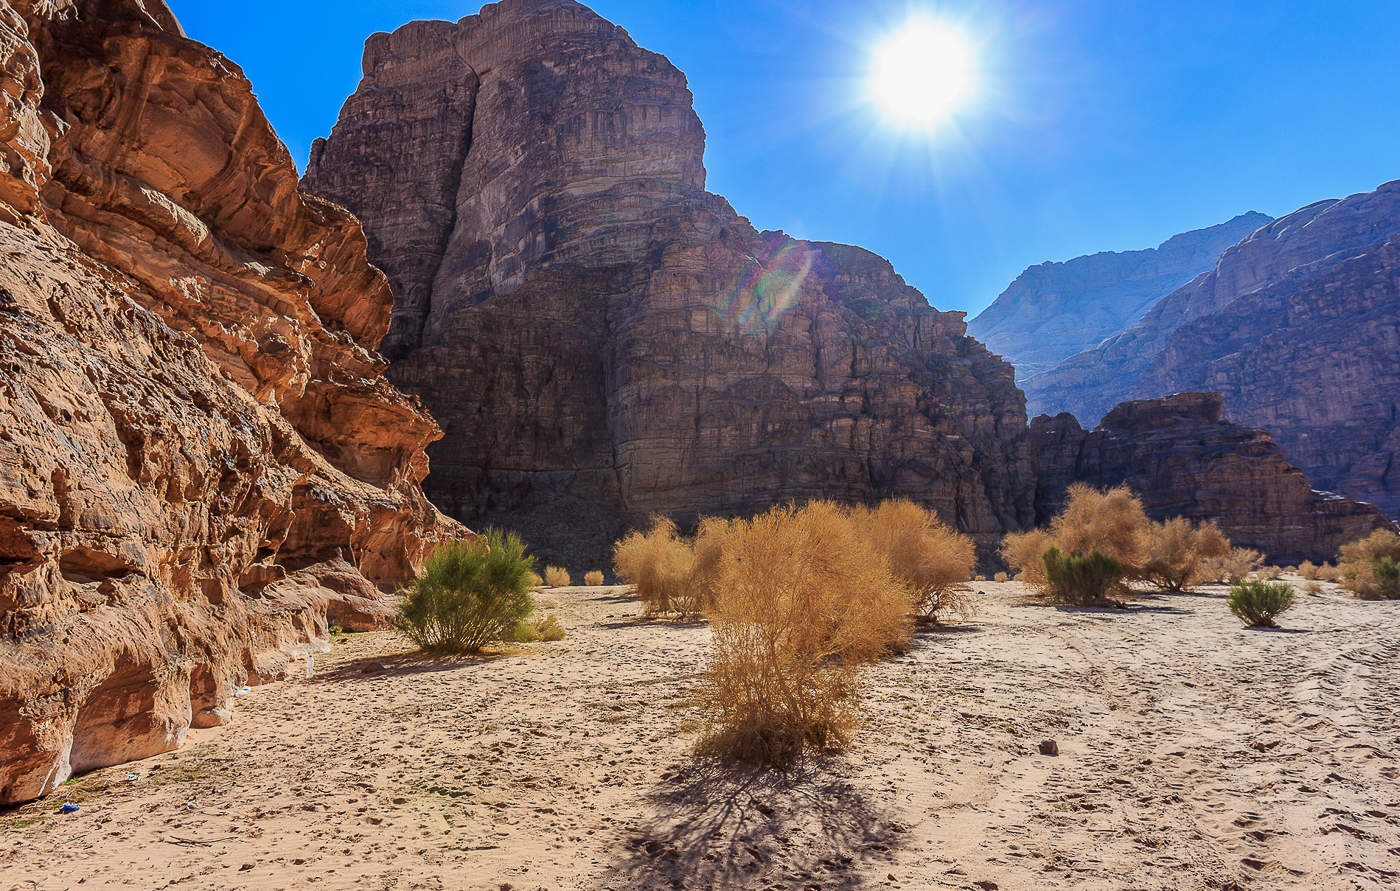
[1082, 579]
[1258, 603]
[469, 594]
[1387, 573]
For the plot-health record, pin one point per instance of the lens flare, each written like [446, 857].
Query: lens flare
[766, 289]
[923, 74]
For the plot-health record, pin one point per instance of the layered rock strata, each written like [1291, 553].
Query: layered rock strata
[1298, 326]
[601, 338]
[1055, 310]
[201, 462]
[1183, 460]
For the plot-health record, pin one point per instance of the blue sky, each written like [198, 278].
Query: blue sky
[1097, 124]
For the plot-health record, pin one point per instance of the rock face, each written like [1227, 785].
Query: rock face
[601, 338]
[1184, 460]
[1055, 310]
[201, 462]
[1298, 326]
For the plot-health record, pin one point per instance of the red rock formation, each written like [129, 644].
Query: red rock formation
[1183, 460]
[1298, 326]
[200, 458]
[601, 338]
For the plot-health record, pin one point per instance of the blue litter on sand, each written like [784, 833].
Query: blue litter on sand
[68, 809]
[244, 691]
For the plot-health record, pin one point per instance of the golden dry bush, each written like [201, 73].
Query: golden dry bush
[536, 580]
[932, 560]
[658, 563]
[1370, 568]
[1000, 577]
[1180, 554]
[1111, 522]
[1313, 588]
[1329, 573]
[556, 577]
[1268, 573]
[707, 552]
[593, 578]
[1024, 552]
[1234, 566]
[1309, 570]
[801, 600]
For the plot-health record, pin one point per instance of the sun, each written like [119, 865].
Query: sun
[923, 74]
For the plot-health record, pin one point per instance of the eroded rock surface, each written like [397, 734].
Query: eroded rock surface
[601, 338]
[1055, 310]
[200, 457]
[1298, 326]
[1184, 460]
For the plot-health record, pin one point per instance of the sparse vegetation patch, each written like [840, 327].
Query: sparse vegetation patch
[1258, 603]
[471, 593]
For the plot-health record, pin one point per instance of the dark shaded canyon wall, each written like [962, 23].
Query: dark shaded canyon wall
[601, 338]
[201, 461]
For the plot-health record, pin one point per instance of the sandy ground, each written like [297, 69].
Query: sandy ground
[1193, 754]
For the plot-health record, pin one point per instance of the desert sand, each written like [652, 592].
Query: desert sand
[1193, 753]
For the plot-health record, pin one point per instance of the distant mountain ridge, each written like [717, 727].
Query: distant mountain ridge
[1298, 326]
[1057, 309]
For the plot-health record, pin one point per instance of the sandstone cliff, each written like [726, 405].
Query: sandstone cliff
[201, 462]
[1055, 310]
[1298, 326]
[601, 338]
[1184, 460]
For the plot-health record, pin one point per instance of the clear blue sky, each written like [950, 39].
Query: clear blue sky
[1099, 124]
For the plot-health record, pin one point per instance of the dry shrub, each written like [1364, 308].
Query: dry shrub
[931, 560]
[1024, 552]
[1329, 573]
[1000, 577]
[1234, 566]
[801, 600]
[1309, 570]
[1313, 588]
[711, 540]
[593, 578]
[1370, 568]
[1180, 555]
[540, 628]
[1112, 522]
[1268, 573]
[659, 563]
[556, 577]
[536, 580]
[1094, 527]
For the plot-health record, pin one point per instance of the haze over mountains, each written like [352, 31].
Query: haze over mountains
[1055, 310]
